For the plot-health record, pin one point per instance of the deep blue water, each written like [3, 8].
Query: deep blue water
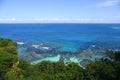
[69, 37]
[65, 35]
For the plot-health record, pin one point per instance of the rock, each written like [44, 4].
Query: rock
[39, 49]
[84, 62]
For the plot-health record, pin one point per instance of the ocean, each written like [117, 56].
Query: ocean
[62, 41]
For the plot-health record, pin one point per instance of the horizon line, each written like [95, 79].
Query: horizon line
[63, 23]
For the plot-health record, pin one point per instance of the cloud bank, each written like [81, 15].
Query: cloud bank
[7, 19]
[63, 20]
[108, 3]
[76, 19]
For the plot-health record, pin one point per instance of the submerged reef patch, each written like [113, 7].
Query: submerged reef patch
[41, 52]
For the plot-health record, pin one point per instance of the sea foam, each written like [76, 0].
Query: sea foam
[20, 43]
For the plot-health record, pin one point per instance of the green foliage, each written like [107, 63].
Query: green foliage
[100, 71]
[47, 70]
[23, 64]
[46, 67]
[59, 67]
[14, 73]
[117, 56]
[6, 62]
[8, 46]
[32, 70]
[7, 57]
[76, 71]
[109, 53]
[107, 69]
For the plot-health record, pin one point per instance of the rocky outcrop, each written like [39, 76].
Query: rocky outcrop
[40, 49]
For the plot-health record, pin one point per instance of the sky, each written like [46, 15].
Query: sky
[59, 11]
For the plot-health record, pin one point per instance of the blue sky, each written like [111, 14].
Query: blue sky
[59, 11]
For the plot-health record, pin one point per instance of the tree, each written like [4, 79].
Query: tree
[8, 46]
[6, 62]
[14, 73]
[76, 71]
[100, 71]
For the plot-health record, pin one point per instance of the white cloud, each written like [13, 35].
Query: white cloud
[76, 20]
[108, 3]
[50, 19]
[7, 19]
[60, 19]
[114, 18]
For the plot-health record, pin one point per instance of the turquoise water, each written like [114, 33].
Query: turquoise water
[68, 37]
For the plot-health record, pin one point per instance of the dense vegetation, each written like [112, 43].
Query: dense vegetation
[12, 68]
